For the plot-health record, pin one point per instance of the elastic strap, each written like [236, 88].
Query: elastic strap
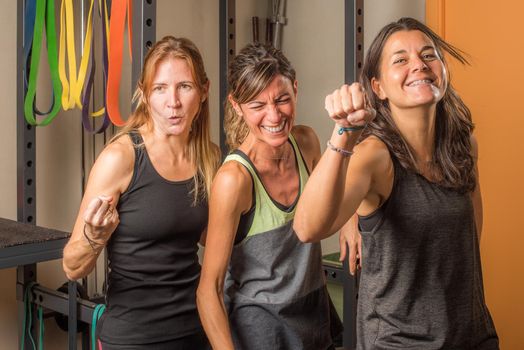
[97, 313]
[43, 9]
[67, 43]
[116, 43]
[41, 328]
[28, 314]
[90, 78]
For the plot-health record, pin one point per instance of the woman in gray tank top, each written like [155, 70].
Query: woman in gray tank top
[274, 286]
[146, 201]
[413, 181]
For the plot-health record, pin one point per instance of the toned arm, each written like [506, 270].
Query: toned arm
[339, 185]
[109, 177]
[230, 197]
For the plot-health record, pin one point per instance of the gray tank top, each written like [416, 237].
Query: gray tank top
[275, 288]
[421, 281]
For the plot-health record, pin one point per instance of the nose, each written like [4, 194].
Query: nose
[419, 64]
[173, 101]
[273, 113]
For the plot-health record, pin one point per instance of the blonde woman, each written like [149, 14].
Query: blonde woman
[146, 201]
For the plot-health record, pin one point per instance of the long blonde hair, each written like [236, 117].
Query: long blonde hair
[250, 72]
[202, 152]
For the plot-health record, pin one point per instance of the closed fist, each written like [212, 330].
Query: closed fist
[348, 106]
[101, 218]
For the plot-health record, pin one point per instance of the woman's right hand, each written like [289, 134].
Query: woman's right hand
[348, 106]
[100, 219]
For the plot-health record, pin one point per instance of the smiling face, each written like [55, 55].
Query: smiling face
[411, 72]
[270, 115]
[175, 98]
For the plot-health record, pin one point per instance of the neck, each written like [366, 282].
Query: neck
[417, 126]
[262, 152]
[174, 147]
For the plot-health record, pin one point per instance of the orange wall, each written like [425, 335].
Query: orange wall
[492, 33]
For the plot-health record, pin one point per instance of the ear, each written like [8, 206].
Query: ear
[235, 105]
[295, 87]
[205, 92]
[377, 89]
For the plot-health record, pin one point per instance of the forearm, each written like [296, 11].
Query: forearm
[319, 204]
[80, 257]
[214, 318]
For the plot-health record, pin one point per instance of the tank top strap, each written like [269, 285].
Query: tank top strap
[268, 214]
[139, 164]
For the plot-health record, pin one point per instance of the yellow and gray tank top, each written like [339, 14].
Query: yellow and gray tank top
[275, 287]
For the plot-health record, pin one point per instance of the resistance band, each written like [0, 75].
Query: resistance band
[91, 72]
[97, 313]
[116, 43]
[28, 320]
[44, 12]
[29, 28]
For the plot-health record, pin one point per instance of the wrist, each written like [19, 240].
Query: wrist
[352, 128]
[346, 136]
[96, 244]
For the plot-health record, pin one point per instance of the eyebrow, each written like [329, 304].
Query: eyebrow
[427, 47]
[278, 97]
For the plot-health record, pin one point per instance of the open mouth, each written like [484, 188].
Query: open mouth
[275, 129]
[420, 82]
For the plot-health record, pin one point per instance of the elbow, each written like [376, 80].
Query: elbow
[71, 274]
[207, 292]
[72, 271]
[302, 232]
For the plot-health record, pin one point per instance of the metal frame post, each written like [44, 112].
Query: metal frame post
[25, 169]
[144, 35]
[227, 41]
[354, 58]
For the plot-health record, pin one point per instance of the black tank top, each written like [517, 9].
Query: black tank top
[421, 280]
[154, 268]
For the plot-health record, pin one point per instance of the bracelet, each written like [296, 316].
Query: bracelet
[342, 151]
[92, 242]
[350, 128]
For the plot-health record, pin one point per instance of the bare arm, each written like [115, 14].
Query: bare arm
[230, 197]
[329, 188]
[350, 238]
[97, 217]
[476, 195]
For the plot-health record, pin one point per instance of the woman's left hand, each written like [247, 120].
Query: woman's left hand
[350, 238]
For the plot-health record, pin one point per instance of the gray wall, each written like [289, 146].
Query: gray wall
[312, 40]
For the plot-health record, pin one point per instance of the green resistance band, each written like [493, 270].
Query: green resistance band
[97, 313]
[28, 320]
[44, 8]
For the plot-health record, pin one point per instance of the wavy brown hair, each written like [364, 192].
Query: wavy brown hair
[249, 73]
[452, 162]
[202, 152]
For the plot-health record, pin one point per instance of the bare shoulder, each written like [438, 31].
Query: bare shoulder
[114, 166]
[373, 152]
[308, 143]
[232, 188]
[232, 177]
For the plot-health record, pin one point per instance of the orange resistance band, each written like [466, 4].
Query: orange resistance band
[116, 44]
